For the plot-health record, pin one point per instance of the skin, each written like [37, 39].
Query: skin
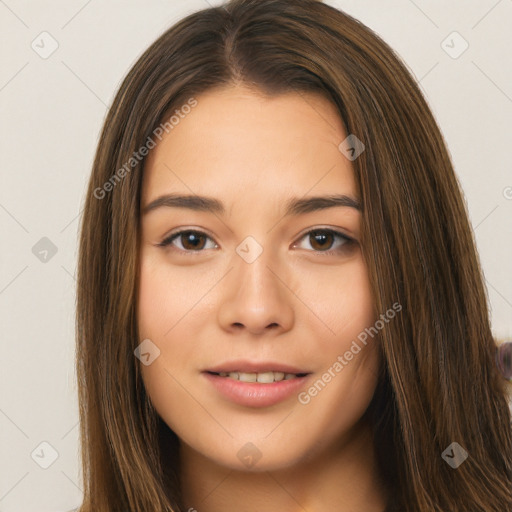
[293, 304]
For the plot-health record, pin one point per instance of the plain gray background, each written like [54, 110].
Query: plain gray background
[52, 109]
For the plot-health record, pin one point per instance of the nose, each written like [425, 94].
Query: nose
[256, 298]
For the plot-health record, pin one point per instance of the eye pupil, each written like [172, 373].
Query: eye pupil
[192, 238]
[320, 236]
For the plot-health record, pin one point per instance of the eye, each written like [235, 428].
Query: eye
[191, 241]
[322, 241]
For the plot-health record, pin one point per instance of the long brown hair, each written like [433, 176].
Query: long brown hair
[439, 383]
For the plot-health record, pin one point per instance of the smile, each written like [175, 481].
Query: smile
[256, 389]
[261, 377]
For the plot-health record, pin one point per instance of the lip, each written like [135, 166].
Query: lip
[256, 394]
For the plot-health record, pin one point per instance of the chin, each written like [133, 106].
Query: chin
[257, 456]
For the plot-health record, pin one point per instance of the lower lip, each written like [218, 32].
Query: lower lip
[255, 394]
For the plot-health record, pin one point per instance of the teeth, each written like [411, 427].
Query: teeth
[247, 377]
[263, 377]
[268, 377]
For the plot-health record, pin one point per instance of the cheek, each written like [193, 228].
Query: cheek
[356, 298]
[169, 314]
[162, 318]
[341, 300]
[153, 302]
[168, 297]
[345, 385]
[355, 342]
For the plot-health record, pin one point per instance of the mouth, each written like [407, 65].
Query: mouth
[265, 377]
[252, 384]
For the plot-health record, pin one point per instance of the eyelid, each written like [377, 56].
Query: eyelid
[328, 229]
[336, 232]
[175, 234]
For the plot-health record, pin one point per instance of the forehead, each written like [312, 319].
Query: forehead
[239, 141]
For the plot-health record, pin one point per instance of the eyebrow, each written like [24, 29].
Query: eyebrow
[293, 206]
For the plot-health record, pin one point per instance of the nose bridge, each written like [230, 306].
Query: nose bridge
[253, 269]
[255, 296]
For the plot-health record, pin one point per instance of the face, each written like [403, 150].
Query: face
[255, 309]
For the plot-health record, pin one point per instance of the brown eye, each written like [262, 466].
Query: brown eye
[190, 241]
[323, 240]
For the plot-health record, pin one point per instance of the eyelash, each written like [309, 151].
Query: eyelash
[348, 242]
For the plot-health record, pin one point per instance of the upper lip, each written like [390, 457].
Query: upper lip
[245, 366]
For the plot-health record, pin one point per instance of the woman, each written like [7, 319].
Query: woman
[280, 303]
